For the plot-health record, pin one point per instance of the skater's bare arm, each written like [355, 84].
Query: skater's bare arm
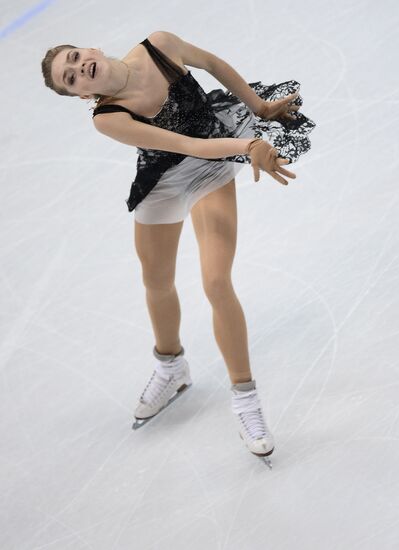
[121, 127]
[229, 77]
[189, 54]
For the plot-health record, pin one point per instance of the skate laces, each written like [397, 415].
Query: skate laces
[162, 377]
[248, 408]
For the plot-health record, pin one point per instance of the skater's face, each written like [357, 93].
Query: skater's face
[72, 69]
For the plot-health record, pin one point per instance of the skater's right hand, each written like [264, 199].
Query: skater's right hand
[264, 157]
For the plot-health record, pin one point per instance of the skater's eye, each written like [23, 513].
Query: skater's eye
[74, 56]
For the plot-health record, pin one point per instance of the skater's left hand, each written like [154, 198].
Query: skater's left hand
[279, 108]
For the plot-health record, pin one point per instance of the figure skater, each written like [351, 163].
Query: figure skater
[190, 146]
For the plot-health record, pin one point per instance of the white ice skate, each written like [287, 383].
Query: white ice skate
[251, 423]
[170, 378]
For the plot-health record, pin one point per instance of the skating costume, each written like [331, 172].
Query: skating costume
[168, 184]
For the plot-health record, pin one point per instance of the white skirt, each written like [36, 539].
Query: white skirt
[182, 185]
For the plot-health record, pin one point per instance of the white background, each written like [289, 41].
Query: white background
[316, 272]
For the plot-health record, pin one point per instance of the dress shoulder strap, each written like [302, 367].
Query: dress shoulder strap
[168, 68]
[111, 108]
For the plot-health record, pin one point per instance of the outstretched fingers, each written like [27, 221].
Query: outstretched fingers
[292, 108]
[280, 170]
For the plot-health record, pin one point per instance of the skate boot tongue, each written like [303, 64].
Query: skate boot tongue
[169, 365]
[245, 401]
[166, 370]
[245, 397]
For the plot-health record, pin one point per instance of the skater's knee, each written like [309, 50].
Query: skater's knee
[217, 288]
[159, 282]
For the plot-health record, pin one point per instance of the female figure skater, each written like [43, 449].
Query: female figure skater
[190, 146]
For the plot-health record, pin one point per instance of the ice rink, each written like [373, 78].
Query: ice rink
[316, 271]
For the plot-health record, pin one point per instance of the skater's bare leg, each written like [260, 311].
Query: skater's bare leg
[156, 246]
[231, 331]
[215, 223]
[164, 309]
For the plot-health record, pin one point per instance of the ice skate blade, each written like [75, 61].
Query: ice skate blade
[141, 421]
[262, 456]
[267, 461]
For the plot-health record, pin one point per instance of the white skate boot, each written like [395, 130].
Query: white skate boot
[251, 424]
[169, 379]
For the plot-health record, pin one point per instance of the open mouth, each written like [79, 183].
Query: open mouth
[92, 69]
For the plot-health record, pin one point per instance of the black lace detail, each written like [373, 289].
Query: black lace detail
[288, 136]
[189, 110]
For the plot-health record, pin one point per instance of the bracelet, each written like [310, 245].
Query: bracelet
[247, 151]
[262, 111]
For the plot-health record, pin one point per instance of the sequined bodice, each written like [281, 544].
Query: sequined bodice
[185, 107]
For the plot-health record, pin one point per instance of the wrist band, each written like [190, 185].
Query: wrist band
[262, 111]
[250, 144]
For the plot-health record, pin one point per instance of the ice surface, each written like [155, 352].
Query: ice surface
[316, 272]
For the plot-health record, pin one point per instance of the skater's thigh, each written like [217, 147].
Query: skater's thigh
[156, 246]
